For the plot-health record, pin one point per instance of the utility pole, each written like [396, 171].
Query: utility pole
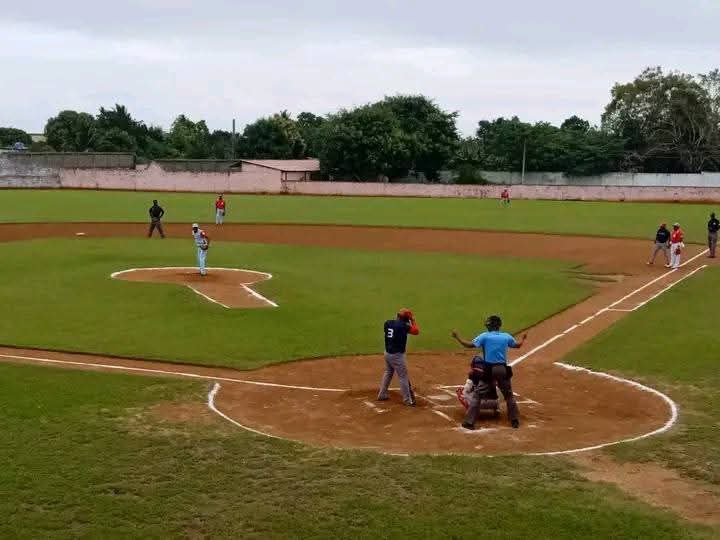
[232, 141]
[522, 177]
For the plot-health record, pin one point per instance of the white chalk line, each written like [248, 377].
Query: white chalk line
[612, 306]
[665, 427]
[166, 372]
[211, 404]
[245, 286]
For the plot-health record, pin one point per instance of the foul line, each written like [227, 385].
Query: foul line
[211, 404]
[612, 306]
[245, 286]
[665, 427]
[166, 372]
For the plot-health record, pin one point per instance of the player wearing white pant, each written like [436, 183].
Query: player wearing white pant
[219, 210]
[676, 246]
[202, 241]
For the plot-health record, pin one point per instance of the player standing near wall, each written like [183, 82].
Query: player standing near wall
[505, 197]
[202, 241]
[219, 210]
[396, 332]
[156, 213]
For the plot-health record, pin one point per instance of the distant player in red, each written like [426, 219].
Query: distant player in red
[505, 196]
[219, 210]
[677, 244]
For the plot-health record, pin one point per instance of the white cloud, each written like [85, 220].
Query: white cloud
[222, 59]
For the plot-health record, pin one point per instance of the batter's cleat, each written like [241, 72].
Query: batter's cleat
[382, 398]
[471, 427]
[409, 403]
[515, 424]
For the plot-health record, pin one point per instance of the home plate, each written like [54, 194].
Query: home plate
[480, 431]
[441, 397]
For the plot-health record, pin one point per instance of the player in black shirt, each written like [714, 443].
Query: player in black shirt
[662, 243]
[156, 213]
[713, 228]
[396, 332]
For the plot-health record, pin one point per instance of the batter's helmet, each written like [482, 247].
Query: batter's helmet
[493, 323]
[405, 314]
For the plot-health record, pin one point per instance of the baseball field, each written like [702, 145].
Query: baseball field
[139, 400]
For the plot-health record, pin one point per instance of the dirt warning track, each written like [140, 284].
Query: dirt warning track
[330, 401]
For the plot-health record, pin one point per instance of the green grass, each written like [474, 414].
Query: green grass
[332, 301]
[672, 344]
[638, 220]
[84, 456]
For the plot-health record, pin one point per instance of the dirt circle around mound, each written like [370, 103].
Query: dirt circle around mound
[227, 287]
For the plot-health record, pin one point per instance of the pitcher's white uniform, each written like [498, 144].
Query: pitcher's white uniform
[202, 241]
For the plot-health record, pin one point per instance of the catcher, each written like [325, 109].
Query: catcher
[479, 390]
[202, 241]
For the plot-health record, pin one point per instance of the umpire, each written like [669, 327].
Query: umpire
[495, 345]
[713, 227]
[156, 213]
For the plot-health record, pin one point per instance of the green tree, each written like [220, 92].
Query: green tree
[668, 120]
[70, 131]
[275, 137]
[575, 123]
[113, 140]
[430, 134]
[9, 136]
[189, 139]
[309, 126]
[363, 143]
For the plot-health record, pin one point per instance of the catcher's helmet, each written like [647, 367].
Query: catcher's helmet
[493, 323]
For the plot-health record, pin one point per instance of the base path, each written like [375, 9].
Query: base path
[330, 402]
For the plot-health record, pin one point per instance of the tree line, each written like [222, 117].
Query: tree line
[659, 122]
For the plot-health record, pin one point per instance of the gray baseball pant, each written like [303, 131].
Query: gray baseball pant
[712, 242]
[661, 246]
[395, 363]
[156, 225]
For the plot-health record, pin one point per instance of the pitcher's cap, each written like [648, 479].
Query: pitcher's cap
[195, 225]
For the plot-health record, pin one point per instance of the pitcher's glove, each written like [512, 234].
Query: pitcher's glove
[204, 247]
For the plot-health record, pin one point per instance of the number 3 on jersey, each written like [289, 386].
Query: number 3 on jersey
[390, 333]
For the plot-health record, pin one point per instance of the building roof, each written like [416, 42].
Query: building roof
[283, 165]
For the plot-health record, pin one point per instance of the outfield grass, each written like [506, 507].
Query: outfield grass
[332, 301]
[85, 456]
[639, 220]
[672, 344]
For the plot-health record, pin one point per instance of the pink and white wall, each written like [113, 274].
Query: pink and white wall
[256, 179]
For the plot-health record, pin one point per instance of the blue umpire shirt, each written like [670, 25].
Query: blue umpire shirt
[494, 346]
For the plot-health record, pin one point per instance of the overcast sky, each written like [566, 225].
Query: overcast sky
[219, 59]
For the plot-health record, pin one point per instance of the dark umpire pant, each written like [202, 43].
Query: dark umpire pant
[155, 224]
[501, 378]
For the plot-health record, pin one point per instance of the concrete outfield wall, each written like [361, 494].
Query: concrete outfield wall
[585, 193]
[709, 179]
[154, 178]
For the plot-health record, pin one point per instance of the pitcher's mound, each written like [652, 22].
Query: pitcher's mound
[228, 287]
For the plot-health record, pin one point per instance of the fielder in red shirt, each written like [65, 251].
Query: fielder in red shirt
[505, 196]
[219, 210]
[677, 237]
